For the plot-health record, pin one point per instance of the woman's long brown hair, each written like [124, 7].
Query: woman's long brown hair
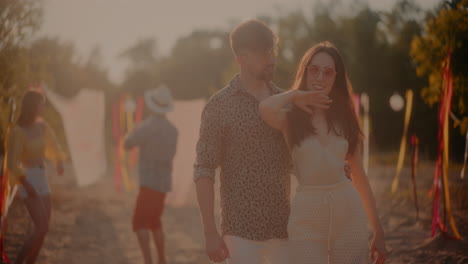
[341, 117]
[29, 107]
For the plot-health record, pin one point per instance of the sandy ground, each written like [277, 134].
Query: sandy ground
[92, 224]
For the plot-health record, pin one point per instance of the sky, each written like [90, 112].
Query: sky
[114, 25]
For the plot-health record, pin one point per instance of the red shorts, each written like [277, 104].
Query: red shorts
[148, 209]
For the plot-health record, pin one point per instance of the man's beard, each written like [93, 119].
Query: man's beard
[266, 75]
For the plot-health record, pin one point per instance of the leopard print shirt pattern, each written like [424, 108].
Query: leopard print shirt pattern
[255, 165]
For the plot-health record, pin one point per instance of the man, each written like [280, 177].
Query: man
[254, 159]
[157, 139]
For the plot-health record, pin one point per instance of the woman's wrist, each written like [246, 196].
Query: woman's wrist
[292, 96]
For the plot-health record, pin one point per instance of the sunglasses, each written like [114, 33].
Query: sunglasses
[327, 72]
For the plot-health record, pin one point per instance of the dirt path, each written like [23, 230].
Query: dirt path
[92, 225]
[409, 240]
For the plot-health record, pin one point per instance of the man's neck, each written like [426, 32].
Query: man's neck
[256, 87]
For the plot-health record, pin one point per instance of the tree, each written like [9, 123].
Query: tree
[58, 65]
[196, 65]
[142, 72]
[18, 21]
[141, 55]
[96, 76]
[444, 32]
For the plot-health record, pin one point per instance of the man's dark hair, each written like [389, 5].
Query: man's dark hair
[252, 35]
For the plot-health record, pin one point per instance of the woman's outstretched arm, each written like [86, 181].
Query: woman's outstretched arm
[274, 108]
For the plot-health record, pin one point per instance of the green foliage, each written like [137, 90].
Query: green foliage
[143, 72]
[384, 52]
[444, 31]
[197, 63]
[194, 68]
[18, 21]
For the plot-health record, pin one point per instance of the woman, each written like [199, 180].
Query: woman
[327, 222]
[30, 142]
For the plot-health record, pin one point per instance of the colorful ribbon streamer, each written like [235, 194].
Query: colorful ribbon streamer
[6, 195]
[116, 132]
[401, 156]
[414, 165]
[128, 184]
[138, 118]
[462, 173]
[122, 157]
[126, 115]
[130, 109]
[441, 170]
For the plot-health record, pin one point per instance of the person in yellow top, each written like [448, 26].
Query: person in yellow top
[30, 143]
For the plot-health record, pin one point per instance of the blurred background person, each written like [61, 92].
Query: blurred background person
[30, 143]
[156, 138]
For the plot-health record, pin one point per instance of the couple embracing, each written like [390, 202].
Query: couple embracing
[259, 135]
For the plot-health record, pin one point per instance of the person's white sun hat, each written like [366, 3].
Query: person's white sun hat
[159, 100]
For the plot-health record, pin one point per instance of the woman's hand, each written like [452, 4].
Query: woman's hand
[378, 249]
[307, 100]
